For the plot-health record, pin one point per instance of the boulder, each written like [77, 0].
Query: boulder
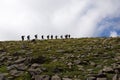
[35, 65]
[3, 59]
[101, 79]
[15, 73]
[55, 77]
[10, 67]
[21, 60]
[108, 70]
[91, 78]
[42, 77]
[21, 67]
[34, 72]
[116, 77]
[66, 79]
[69, 65]
[93, 64]
[60, 51]
[2, 77]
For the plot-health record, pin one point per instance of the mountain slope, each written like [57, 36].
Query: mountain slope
[61, 59]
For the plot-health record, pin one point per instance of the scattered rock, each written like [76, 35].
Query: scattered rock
[116, 77]
[60, 51]
[66, 79]
[34, 72]
[55, 77]
[2, 77]
[101, 79]
[16, 73]
[91, 78]
[42, 77]
[21, 67]
[20, 61]
[77, 62]
[69, 65]
[35, 65]
[10, 67]
[108, 70]
[93, 64]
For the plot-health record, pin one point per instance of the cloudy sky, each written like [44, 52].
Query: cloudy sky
[80, 18]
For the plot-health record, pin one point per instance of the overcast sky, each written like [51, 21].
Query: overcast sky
[80, 18]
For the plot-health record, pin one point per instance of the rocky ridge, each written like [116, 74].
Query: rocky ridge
[67, 59]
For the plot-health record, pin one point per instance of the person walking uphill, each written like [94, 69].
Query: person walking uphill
[28, 37]
[22, 38]
[36, 37]
[42, 37]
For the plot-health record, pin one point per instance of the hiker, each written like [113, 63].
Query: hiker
[66, 36]
[22, 38]
[42, 36]
[28, 37]
[56, 37]
[69, 36]
[47, 36]
[61, 36]
[51, 36]
[36, 36]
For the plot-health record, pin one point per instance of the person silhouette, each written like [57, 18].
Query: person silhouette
[42, 36]
[56, 37]
[69, 36]
[22, 38]
[36, 36]
[28, 37]
[61, 36]
[66, 36]
[47, 36]
[51, 36]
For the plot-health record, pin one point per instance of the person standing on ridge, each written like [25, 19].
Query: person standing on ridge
[42, 36]
[28, 37]
[51, 36]
[36, 37]
[22, 38]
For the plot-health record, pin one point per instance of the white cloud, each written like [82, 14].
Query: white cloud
[113, 34]
[79, 18]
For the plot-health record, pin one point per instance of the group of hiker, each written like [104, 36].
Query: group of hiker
[28, 37]
[67, 36]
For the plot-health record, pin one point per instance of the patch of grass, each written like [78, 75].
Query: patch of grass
[3, 69]
[55, 67]
[25, 76]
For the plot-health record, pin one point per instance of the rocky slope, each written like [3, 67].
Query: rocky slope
[62, 59]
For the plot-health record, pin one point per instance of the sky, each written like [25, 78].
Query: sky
[80, 18]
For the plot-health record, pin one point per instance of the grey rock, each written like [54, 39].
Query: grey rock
[55, 77]
[34, 72]
[2, 59]
[21, 60]
[35, 65]
[66, 79]
[116, 77]
[91, 78]
[60, 51]
[42, 77]
[21, 67]
[77, 62]
[108, 70]
[93, 64]
[16, 73]
[2, 54]
[101, 79]
[2, 77]
[69, 65]
[10, 67]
